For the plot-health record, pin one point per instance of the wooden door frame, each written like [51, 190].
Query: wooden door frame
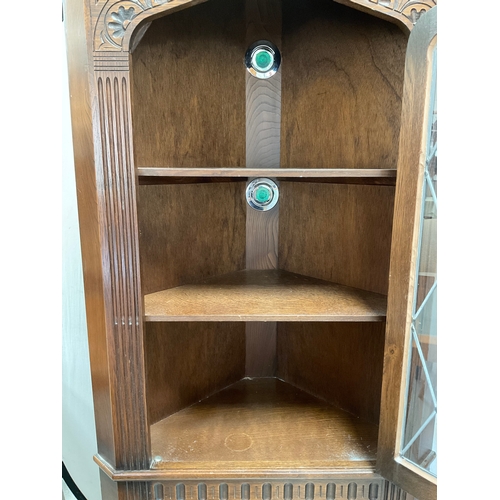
[405, 235]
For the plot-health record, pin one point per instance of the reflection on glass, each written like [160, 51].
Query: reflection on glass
[419, 427]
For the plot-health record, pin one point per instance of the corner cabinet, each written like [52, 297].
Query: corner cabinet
[257, 199]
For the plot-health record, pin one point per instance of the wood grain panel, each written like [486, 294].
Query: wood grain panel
[262, 235]
[187, 362]
[260, 359]
[263, 119]
[340, 233]
[189, 88]
[263, 127]
[190, 232]
[342, 83]
[339, 362]
[263, 21]
[261, 423]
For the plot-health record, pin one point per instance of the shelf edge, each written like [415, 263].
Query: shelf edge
[273, 318]
[273, 172]
[199, 474]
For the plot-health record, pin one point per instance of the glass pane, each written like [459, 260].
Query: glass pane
[427, 271]
[425, 329]
[418, 438]
[419, 432]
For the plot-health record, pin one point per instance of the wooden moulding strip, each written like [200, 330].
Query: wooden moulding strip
[268, 172]
[372, 176]
[222, 474]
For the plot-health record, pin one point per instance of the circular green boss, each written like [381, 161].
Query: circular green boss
[262, 59]
[262, 194]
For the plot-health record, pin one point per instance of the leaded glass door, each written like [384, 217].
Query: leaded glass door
[408, 441]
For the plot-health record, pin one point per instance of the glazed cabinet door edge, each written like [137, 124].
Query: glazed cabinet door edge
[413, 176]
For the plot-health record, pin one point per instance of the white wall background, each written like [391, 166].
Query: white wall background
[78, 428]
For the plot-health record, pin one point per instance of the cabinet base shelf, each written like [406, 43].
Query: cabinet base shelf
[263, 427]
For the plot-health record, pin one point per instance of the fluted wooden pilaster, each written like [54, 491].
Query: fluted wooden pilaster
[117, 198]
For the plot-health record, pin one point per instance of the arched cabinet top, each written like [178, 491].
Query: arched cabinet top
[115, 22]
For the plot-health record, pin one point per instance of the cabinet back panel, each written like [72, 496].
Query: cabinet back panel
[190, 232]
[338, 362]
[186, 362]
[342, 82]
[189, 88]
[340, 233]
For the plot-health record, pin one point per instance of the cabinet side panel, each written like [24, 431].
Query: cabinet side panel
[187, 362]
[190, 232]
[338, 362]
[189, 88]
[342, 82]
[339, 233]
[77, 26]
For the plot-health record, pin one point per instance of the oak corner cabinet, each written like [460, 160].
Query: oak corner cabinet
[257, 188]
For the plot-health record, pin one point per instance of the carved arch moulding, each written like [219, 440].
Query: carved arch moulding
[402, 12]
[115, 21]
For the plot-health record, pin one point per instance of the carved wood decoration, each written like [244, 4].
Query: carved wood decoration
[337, 489]
[114, 22]
[403, 12]
[340, 487]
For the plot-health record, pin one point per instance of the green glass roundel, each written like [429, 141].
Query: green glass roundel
[262, 60]
[263, 194]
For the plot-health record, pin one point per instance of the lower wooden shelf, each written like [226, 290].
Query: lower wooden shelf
[260, 427]
[273, 295]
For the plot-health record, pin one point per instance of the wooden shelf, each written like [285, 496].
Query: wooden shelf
[264, 296]
[154, 175]
[263, 424]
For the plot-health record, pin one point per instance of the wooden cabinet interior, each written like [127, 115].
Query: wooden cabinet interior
[229, 344]
[318, 403]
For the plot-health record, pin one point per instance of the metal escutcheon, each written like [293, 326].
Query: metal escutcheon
[262, 59]
[262, 194]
